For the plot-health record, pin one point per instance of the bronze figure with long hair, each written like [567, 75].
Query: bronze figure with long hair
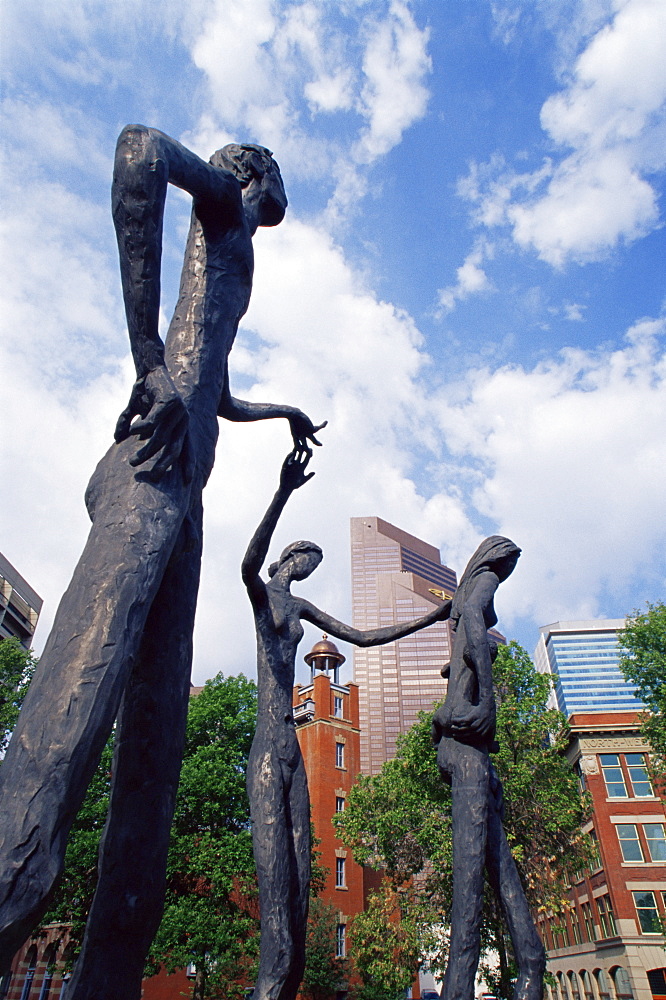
[464, 732]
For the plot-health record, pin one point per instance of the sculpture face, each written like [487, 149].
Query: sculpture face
[303, 564]
[268, 190]
[505, 567]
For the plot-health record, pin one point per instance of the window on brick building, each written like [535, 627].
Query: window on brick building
[656, 841]
[575, 925]
[339, 803]
[341, 941]
[630, 845]
[340, 873]
[606, 916]
[640, 780]
[339, 755]
[337, 706]
[30, 966]
[588, 920]
[596, 854]
[648, 914]
[613, 776]
[4, 985]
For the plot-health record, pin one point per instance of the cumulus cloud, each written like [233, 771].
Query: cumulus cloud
[572, 464]
[281, 71]
[471, 279]
[608, 121]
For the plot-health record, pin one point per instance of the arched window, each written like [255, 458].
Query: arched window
[30, 966]
[565, 986]
[603, 984]
[49, 962]
[575, 986]
[588, 985]
[622, 983]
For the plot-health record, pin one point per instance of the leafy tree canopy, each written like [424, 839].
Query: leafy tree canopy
[324, 973]
[210, 916]
[643, 661]
[399, 820]
[17, 666]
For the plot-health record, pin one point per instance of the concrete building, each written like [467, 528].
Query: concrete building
[582, 657]
[609, 945]
[392, 576]
[327, 724]
[19, 604]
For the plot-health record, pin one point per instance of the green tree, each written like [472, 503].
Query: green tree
[399, 820]
[324, 973]
[643, 661]
[389, 940]
[210, 917]
[17, 665]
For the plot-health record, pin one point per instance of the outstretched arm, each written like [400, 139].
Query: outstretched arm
[372, 637]
[146, 161]
[240, 411]
[292, 476]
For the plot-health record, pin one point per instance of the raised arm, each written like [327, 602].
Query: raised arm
[240, 411]
[372, 637]
[146, 162]
[292, 476]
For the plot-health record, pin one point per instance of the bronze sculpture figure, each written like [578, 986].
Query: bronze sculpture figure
[277, 783]
[121, 643]
[464, 732]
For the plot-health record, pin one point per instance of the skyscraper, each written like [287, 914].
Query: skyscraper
[392, 573]
[19, 604]
[583, 659]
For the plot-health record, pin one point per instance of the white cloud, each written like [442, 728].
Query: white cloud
[573, 311]
[572, 465]
[395, 63]
[277, 72]
[610, 115]
[471, 279]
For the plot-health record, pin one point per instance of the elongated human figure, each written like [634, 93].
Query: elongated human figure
[464, 732]
[277, 784]
[122, 636]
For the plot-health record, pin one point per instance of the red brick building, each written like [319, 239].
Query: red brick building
[609, 945]
[327, 724]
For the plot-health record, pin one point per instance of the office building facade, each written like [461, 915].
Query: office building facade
[608, 944]
[19, 605]
[583, 660]
[392, 576]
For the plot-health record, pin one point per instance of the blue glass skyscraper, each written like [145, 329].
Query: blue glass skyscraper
[583, 659]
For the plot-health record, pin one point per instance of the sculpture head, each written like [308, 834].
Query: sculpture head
[259, 176]
[495, 554]
[303, 557]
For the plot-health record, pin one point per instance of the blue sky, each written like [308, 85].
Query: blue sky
[469, 284]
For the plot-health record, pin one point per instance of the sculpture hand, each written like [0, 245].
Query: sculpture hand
[303, 430]
[164, 423]
[293, 475]
[458, 719]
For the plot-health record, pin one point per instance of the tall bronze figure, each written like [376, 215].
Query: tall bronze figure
[121, 643]
[464, 732]
[277, 784]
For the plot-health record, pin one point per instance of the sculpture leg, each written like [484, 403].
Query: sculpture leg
[75, 694]
[504, 878]
[299, 898]
[468, 770]
[274, 846]
[129, 899]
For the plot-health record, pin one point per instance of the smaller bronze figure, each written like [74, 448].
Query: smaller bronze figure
[277, 783]
[464, 732]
